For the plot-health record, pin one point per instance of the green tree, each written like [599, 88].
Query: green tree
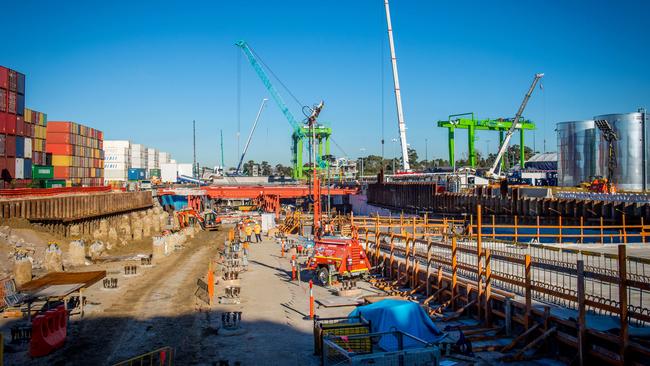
[265, 168]
[248, 168]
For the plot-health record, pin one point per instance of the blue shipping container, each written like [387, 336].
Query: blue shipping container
[28, 168]
[20, 146]
[136, 174]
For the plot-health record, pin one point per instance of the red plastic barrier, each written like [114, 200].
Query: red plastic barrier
[48, 332]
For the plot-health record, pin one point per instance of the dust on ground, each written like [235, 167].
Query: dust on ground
[155, 307]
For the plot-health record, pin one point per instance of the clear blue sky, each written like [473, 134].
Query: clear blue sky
[143, 70]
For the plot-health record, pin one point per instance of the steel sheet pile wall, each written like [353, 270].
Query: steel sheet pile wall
[420, 197]
[417, 195]
[73, 207]
[77, 153]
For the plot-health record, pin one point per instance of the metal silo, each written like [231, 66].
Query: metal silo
[577, 150]
[631, 173]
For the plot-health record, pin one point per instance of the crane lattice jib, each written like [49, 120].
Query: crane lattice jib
[269, 86]
[513, 127]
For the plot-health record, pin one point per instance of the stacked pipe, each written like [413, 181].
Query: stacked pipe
[77, 153]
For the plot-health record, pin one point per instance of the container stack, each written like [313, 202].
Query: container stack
[117, 161]
[15, 152]
[139, 156]
[164, 157]
[77, 153]
[153, 165]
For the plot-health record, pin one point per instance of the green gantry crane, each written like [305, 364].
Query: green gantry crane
[460, 121]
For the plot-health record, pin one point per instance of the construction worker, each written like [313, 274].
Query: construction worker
[258, 232]
[249, 231]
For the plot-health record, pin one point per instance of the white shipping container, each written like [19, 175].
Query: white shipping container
[115, 165]
[117, 144]
[28, 148]
[20, 168]
[164, 157]
[185, 169]
[117, 150]
[168, 172]
[118, 158]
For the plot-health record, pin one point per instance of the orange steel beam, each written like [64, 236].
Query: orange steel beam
[252, 192]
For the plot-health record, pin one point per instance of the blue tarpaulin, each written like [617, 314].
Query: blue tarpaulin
[406, 316]
[178, 202]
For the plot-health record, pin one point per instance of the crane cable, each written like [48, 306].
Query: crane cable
[276, 77]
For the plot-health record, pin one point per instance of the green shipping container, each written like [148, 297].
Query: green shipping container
[154, 173]
[42, 172]
[55, 183]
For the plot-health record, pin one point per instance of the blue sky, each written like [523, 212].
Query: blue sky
[143, 70]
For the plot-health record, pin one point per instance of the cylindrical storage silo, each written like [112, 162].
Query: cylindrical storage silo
[576, 153]
[631, 173]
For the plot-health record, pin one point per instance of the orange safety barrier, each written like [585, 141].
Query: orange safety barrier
[49, 332]
[21, 192]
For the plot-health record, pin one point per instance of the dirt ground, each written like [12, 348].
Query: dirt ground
[156, 307]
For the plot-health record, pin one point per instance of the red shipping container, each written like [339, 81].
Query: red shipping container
[59, 149]
[10, 124]
[59, 138]
[20, 126]
[11, 102]
[13, 80]
[61, 172]
[32, 130]
[10, 145]
[3, 100]
[8, 166]
[58, 126]
[4, 78]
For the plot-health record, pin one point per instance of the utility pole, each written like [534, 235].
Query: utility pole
[194, 172]
[223, 165]
[426, 150]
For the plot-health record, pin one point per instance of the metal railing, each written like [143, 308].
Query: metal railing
[544, 273]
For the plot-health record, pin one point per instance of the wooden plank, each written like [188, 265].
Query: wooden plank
[532, 344]
[519, 338]
[63, 278]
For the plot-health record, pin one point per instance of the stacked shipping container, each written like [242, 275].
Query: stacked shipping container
[139, 156]
[117, 160]
[153, 165]
[126, 161]
[15, 135]
[77, 153]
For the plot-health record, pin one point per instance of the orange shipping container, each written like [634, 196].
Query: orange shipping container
[60, 138]
[60, 127]
[61, 172]
[59, 149]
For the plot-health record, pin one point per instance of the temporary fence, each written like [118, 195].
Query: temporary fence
[161, 357]
[365, 349]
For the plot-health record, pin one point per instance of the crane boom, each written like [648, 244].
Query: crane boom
[398, 94]
[491, 173]
[250, 136]
[269, 86]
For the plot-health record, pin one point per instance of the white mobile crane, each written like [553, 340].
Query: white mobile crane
[492, 173]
